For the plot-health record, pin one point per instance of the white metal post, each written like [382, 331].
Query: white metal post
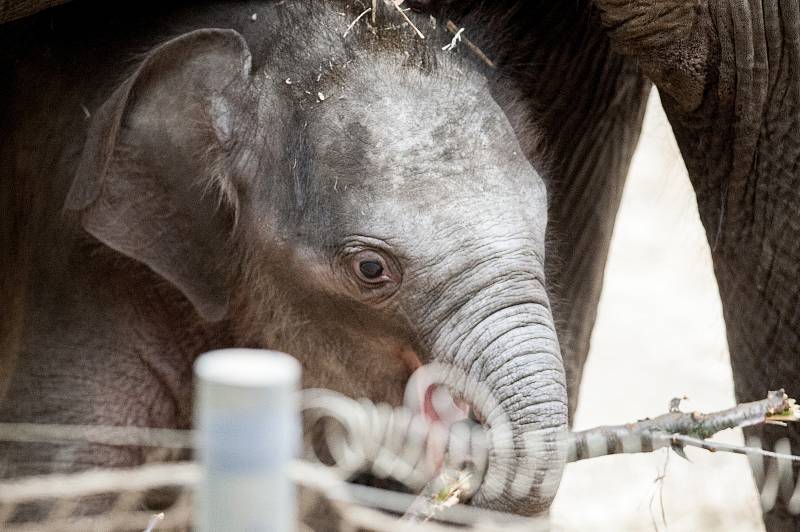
[247, 423]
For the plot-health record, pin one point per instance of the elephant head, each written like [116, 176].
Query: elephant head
[378, 222]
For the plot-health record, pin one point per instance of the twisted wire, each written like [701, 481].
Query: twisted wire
[775, 478]
[359, 435]
[390, 442]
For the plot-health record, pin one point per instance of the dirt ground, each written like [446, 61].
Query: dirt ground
[659, 334]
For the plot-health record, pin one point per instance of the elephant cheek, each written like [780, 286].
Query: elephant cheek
[410, 359]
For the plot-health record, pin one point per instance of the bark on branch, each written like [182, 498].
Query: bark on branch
[675, 429]
[651, 434]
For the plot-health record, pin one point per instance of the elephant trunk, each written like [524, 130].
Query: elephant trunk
[508, 368]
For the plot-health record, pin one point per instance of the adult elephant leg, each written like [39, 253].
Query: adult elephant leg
[729, 74]
[592, 150]
[588, 102]
[748, 189]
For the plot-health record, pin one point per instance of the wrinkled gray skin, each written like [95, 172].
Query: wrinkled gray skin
[207, 201]
[726, 71]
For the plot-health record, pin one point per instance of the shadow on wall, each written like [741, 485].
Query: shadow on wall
[659, 334]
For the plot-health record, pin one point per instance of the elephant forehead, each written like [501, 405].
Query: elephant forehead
[404, 121]
[408, 157]
[389, 146]
[422, 226]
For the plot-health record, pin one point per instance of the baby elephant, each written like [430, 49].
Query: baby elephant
[267, 177]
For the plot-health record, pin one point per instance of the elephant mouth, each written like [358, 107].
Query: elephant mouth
[442, 406]
[457, 438]
[503, 445]
[443, 411]
[439, 405]
[434, 400]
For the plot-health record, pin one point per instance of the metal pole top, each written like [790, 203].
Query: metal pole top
[240, 367]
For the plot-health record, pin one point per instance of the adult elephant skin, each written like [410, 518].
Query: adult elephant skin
[727, 73]
[259, 174]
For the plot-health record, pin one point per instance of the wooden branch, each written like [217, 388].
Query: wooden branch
[651, 434]
[675, 429]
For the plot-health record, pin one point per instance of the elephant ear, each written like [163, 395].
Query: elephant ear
[151, 182]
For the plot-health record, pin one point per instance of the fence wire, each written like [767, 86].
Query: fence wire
[117, 499]
[158, 496]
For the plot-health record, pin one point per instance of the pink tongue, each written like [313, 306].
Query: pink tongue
[439, 405]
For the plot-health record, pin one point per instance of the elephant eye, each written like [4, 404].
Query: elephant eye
[371, 269]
